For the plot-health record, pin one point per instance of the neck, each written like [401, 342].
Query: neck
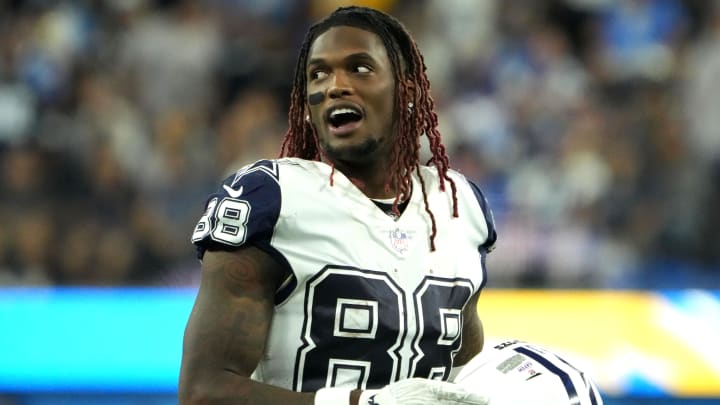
[370, 178]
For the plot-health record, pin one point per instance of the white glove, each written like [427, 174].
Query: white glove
[421, 391]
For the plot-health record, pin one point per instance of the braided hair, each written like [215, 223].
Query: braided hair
[408, 65]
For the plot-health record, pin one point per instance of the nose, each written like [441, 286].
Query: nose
[340, 86]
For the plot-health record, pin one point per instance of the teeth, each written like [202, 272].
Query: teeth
[343, 111]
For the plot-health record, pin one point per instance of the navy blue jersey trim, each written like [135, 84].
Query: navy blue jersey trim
[489, 220]
[282, 293]
[484, 271]
[255, 186]
[287, 288]
[270, 167]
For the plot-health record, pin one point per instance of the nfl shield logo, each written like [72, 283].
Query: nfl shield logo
[400, 240]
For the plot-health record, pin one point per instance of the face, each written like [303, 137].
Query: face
[350, 68]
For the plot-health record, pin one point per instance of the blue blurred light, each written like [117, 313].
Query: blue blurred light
[83, 339]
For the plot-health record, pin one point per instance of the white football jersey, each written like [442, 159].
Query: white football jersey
[367, 302]
[515, 372]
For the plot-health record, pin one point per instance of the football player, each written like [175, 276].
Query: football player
[346, 270]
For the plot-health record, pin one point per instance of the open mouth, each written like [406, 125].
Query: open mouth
[344, 118]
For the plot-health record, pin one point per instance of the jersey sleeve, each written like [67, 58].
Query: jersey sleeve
[489, 243]
[242, 211]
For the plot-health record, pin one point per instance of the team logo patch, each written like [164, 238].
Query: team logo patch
[400, 239]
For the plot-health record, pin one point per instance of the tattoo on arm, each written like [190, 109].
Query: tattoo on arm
[227, 330]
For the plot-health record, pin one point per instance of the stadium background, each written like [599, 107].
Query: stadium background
[593, 127]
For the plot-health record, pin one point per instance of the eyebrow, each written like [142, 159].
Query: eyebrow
[353, 56]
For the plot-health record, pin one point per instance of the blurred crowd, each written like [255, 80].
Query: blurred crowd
[593, 126]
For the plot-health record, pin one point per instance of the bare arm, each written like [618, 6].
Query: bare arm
[472, 334]
[226, 333]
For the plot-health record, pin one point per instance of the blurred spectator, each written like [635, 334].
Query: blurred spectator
[638, 37]
[170, 55]
[702, 84]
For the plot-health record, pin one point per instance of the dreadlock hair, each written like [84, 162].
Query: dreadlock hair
[408, 64]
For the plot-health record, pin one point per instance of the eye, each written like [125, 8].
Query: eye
[363, 69]
[318, 74]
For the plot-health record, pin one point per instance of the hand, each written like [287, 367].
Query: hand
[421, 391]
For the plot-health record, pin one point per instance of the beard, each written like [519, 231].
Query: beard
[366, 151]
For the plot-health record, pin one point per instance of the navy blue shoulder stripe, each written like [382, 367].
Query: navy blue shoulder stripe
[489, 220]
[256, 189]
